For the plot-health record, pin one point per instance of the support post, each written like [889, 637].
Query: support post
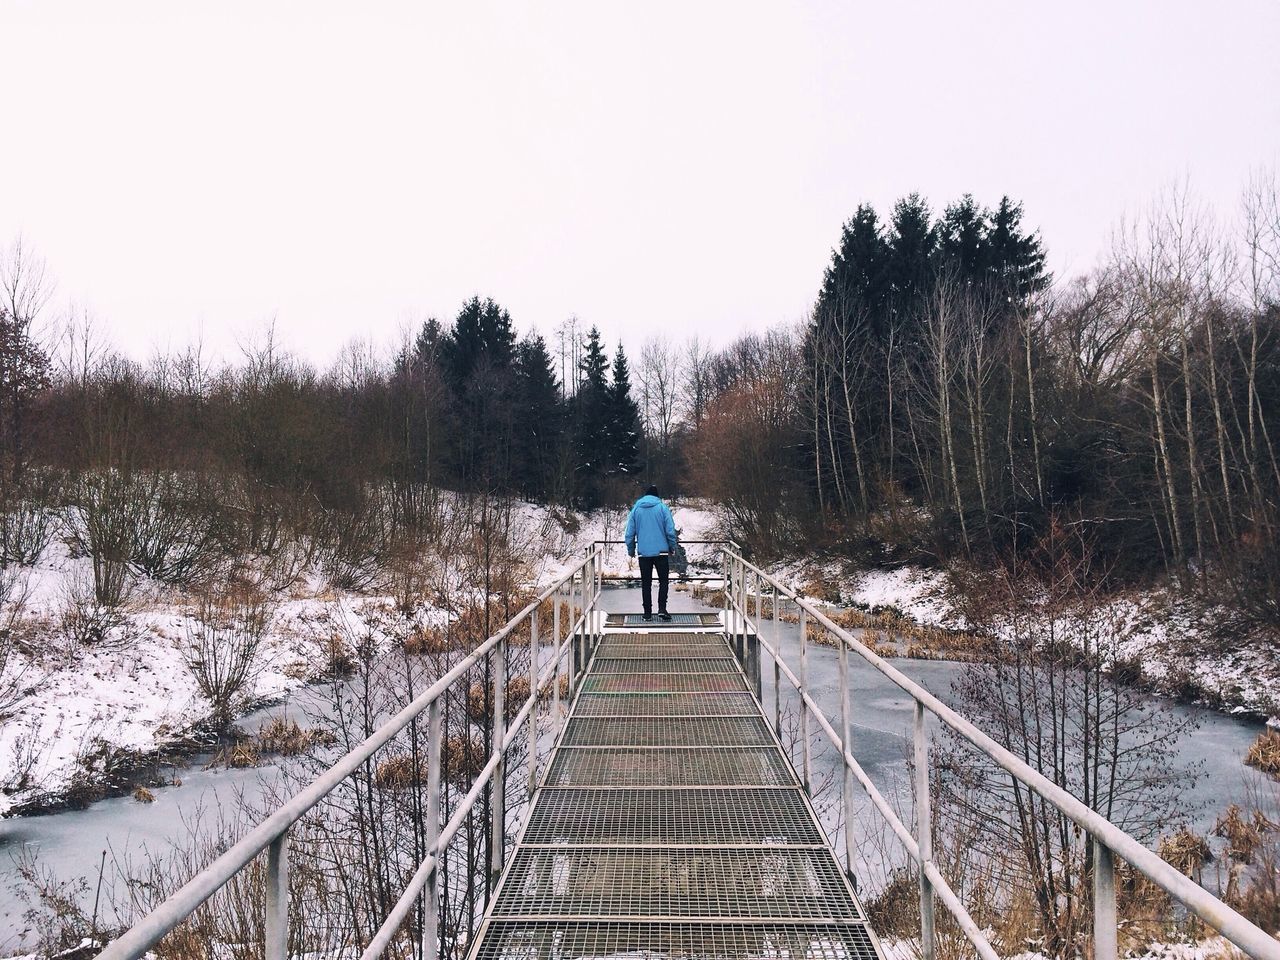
[1104, 903]
[577, 589]
[431, 902]
[555, 647]
[804, 707]
[756, 658]
[846, 745]
[924, 833]
[777, 666]
[498, 791]
[277, 906]
[724, 589]
[533, 695]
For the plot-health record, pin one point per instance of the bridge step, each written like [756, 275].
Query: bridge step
[670, 824]
[749, 731]
[672, 816]
[563, 939]
[622, 882]
[665, 705]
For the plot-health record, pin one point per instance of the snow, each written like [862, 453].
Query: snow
[1155, 629]
[135, 691]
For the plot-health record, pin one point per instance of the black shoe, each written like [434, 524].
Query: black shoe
[647, 618]
[664, 617]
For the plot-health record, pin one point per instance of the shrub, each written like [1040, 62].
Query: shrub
[99, 524]
[85, 621]
[222, 650]
[1264, 753]
[25, 530]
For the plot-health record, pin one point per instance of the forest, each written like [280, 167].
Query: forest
[946, 399]
[945, 405]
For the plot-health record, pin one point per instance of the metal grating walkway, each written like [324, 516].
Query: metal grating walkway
[670, 824]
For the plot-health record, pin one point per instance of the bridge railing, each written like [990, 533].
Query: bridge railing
[743, 579]
[578, 591]
[609, 556]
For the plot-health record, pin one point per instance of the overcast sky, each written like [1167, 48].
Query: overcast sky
[198, 169]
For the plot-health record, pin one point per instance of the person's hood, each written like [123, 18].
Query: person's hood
[648, 501]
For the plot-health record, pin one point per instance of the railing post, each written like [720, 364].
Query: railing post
[1104, 903]
[846, 746]
[924, 833]
[804, 707]
[777, 665]
[431, 906]
[555, 648]
[498, 801]
[533, 695]
[277, 906]
[576, 591]
[724, 587]
[756, 664]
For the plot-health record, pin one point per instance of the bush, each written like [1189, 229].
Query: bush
[85, 621]
[25, 530]
[1264, 753]
[99, 523]
[179, 531]
[14, 665]
[222, 650]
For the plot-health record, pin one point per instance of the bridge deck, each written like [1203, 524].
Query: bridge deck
[669, 823]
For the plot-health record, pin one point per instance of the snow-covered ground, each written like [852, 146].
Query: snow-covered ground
[1154, 631]
[135, 692]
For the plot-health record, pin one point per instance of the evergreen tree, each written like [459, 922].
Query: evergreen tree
[909, 264]
[591, 433]
[624, 420]
[539, 419]
[1015, 260]
[482, 336]
[963, 247]
[476, 359]
[855, 279]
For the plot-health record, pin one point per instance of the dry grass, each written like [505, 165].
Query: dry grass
[286, 738]
[1265, 753]
[428, 641]
[1185, 851]
[238, 756]
[1244, 834]
[480, 701]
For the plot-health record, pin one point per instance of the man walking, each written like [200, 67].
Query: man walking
[651, 532]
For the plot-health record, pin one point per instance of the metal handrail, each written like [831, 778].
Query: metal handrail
[272, 833]
[1108, 839]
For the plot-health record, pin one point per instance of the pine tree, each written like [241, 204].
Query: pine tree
[24, 372]
[963, 247]
[539, 418]
[591, 433]
[482, 336]
[476, 358]
[855, 279]
[908, 267]
[624, 420]
[1015, 260]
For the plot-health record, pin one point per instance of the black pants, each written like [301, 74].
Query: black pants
[646, 582]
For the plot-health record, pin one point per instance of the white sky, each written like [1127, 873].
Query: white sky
[676, 168]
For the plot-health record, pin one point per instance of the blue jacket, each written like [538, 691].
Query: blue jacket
[650, 528]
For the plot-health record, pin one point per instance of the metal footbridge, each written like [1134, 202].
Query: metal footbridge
[635, 800]
[670, 822]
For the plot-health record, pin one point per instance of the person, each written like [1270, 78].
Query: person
[651, 532]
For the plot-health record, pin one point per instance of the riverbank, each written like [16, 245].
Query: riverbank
[1160, 642]
[103, 711]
